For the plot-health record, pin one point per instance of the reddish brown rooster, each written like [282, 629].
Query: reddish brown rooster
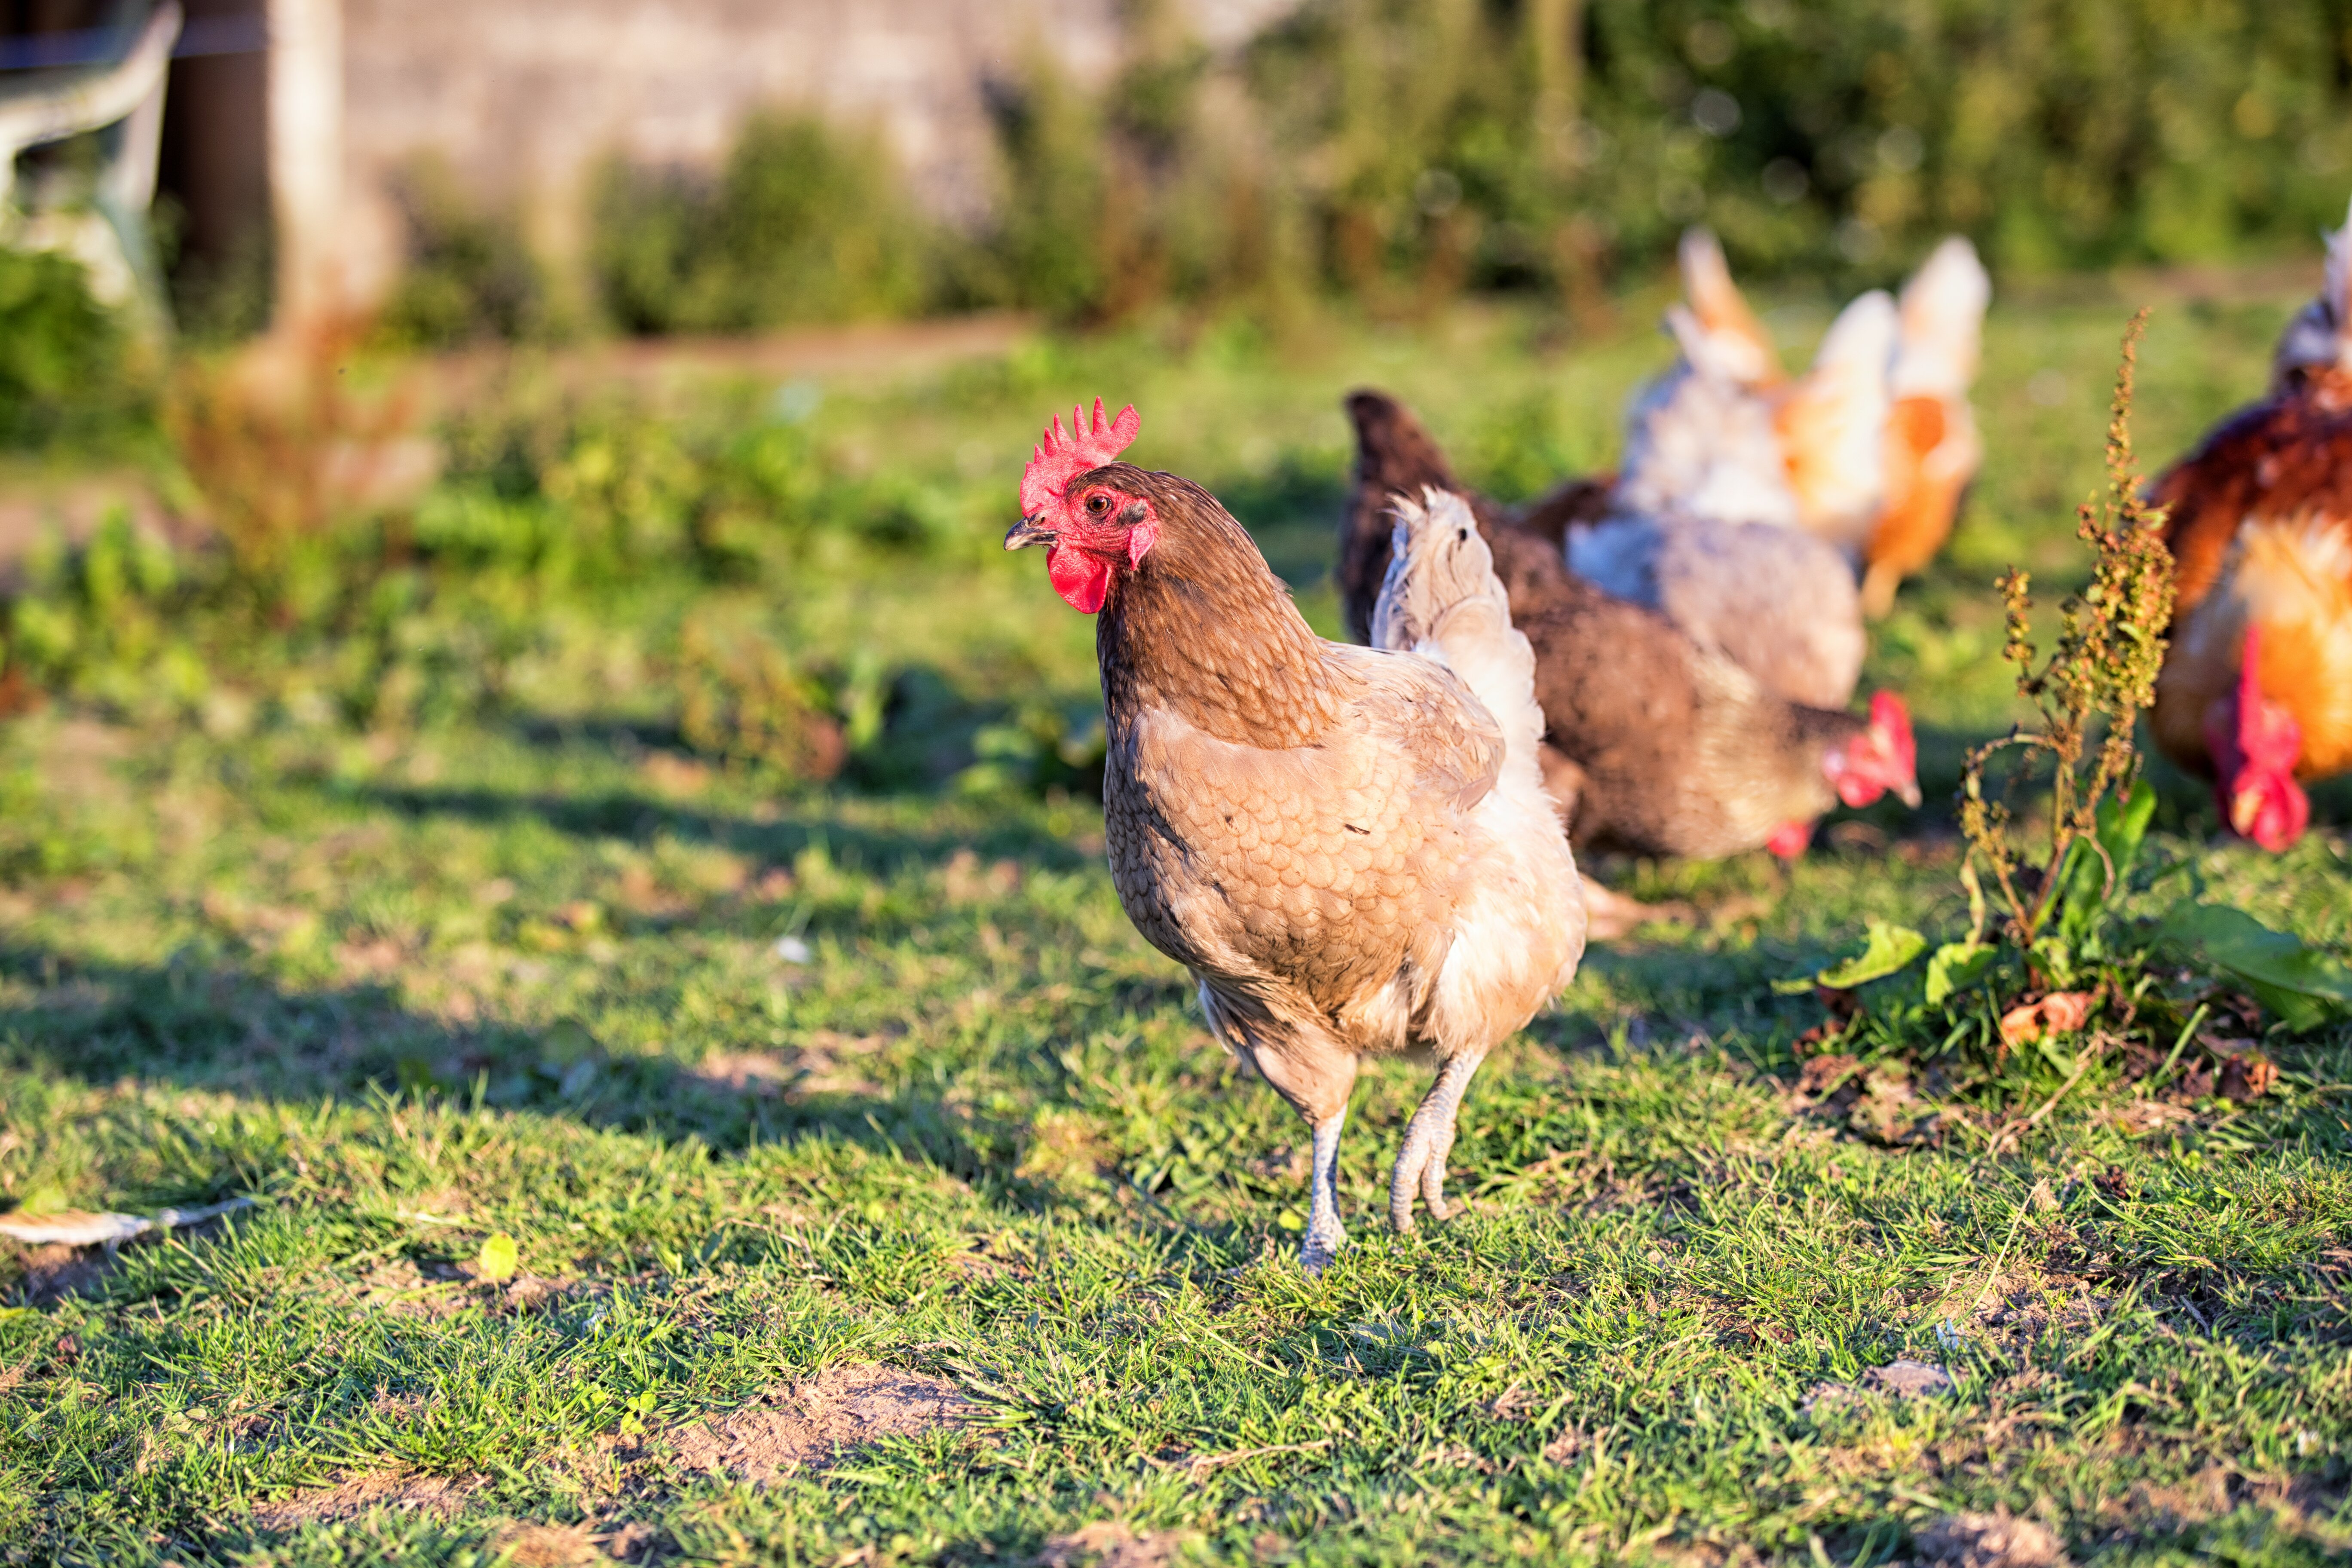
[2257, 686]
[1349, 848]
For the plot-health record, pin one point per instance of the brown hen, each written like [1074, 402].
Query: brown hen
[1349, 848]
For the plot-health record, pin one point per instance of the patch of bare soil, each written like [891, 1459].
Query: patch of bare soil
[54, 1272]
[824, 1064]
[1996, 1539]
[815, 1423]
[538, 1546]
[438, 1497]
[1108, 1544]
[2299, 1507]
[1896, 1380]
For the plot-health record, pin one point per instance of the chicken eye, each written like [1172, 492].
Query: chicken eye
[1098, 504]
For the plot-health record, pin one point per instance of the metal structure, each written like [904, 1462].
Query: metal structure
[97, 216]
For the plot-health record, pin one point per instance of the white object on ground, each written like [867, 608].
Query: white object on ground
[77, 1229]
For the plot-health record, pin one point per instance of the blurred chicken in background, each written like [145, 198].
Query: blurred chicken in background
[2256, 690]
[1932, 446]
[1739, 488]
[1870, 450]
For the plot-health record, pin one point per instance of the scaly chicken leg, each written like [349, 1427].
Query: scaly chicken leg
[1324, 1234]
[1428, 1140]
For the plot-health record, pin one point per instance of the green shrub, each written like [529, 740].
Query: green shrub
[471, 275]
[803, 224]
[63, 358]
[101, 622]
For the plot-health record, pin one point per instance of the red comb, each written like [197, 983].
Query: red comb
[1888, 715]
[1056, 459]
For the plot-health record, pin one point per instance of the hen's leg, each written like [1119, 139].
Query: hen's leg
[1315, 1076]
[1428, 1140]
[1325, 1236]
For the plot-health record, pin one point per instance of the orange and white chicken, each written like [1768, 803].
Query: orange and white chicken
[1739, 489]
[1871, 449]
[1932, 446]
[1724, 435]
[2256, 690]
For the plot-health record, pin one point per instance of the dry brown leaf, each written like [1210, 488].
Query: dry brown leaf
[2060, 1012]
[2248, 1077]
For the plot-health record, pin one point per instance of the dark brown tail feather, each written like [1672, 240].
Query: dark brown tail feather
[1394, 457]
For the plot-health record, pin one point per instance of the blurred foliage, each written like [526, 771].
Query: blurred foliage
[471, 273]
[98, 624]
[741, 699]
[375, 576]
[282, 446]
[805, 224]
[1396, 152]
[1038, 749]
[65, 368]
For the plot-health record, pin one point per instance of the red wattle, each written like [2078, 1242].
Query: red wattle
[1788, 839]
[2270, 809]
[2256, 743]
[1079, 578]
[1858, 790]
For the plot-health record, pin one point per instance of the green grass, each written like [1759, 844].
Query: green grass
[520, 975]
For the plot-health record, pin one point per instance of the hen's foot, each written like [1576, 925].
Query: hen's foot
[1610, 915]
[1325, 1236]
[1318, 1252]
[1421, 1164]
[1428, 1140]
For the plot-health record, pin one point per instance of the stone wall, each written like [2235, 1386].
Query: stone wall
[520, 99]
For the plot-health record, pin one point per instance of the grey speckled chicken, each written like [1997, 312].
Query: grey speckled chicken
[1653, 743]
[1349, 848]
[1778, 602]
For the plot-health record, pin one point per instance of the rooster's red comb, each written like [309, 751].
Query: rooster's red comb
[1056, 459]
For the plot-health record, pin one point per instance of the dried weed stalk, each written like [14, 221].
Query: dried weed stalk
[2087, 695]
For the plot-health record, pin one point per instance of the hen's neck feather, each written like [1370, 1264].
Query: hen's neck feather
[1204, 628]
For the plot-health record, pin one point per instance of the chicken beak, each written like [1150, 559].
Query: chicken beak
[2245, 811]
[1907, 792]
[1028, 530]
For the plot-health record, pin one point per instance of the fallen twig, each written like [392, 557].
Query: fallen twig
[2027, 1124]
[77, 1230]
[1200, 1465]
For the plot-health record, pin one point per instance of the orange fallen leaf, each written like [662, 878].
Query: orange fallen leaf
[2248, 1077]
[2060, 1012]
[2066, 1011]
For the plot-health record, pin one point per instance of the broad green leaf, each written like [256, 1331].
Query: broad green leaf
[2297, 981]
[1956, 965]
[1886, 949]
[46, 1197]
[2121, 828]
[499, 1257]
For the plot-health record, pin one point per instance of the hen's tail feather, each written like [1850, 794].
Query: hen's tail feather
[2339, 280]
[2321, 333]
[1943, 309]
[1443, 599]
[1736, 344]
[1834, 421]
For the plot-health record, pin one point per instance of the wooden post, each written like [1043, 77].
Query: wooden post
[1553, 29]
[305, 160]
[1556, 41]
